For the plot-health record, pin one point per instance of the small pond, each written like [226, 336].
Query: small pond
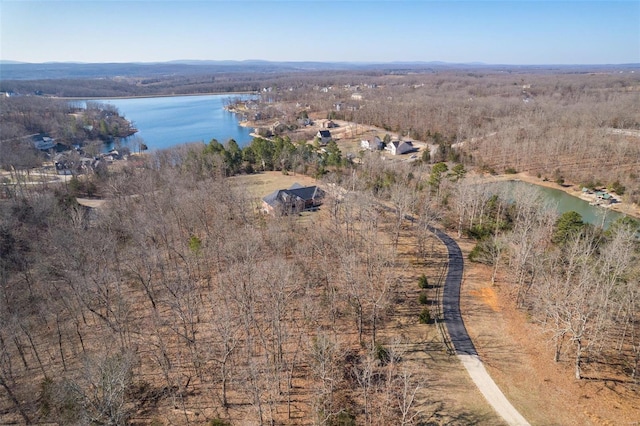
[594, 215]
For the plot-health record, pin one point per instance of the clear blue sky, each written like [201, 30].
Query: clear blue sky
[495, 32]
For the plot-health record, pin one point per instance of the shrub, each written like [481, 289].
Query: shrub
[46, 400]
[218, 422]
[475, 253]
[479, 232]
[589, 184]
[423, 299]
[510, 171]
[425, 316]
[382, 354]
[422, 281]
[343, 418]
[617, 187]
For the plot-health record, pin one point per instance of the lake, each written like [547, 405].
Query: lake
[564, 202]
[163, 122]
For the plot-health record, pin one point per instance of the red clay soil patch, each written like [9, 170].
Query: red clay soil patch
[519, 357]
[488, 296]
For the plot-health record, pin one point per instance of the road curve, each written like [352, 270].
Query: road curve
[461, 341]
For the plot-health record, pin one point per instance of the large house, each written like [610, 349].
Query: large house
[296, 199]
[43, 142]
[400, 147]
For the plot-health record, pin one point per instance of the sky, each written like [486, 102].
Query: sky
[513, 32]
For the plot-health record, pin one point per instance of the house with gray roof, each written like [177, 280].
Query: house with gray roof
[400, 147]
[324, 136]
[374, 144]
[296, 199]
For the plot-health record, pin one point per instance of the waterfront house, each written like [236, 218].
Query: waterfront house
[43, 142]
[603, 197]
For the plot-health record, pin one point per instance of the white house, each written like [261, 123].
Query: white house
[400, 147]
[374, 144]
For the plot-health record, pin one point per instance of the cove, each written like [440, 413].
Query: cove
[163, 122]
[597, 216]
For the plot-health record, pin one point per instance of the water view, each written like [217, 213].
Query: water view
[564, 202]
[163, 122]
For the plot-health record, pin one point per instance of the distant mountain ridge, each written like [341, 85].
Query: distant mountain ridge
[15, 70]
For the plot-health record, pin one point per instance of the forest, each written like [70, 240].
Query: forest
[179, 302]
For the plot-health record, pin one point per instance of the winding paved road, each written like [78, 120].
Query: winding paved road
[462, 343]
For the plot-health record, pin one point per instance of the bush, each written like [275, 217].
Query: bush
[422, 281]
[474, 255]
[343, 418]
[480, 232]
[425, 316]
[510, 171]
[218, 422]
[617, 187]
[382, 354]
[423, 299]
[589, 184]
[482, 252]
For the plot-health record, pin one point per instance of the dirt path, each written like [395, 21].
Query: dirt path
[462, 342]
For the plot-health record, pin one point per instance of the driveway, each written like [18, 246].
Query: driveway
[465, 350]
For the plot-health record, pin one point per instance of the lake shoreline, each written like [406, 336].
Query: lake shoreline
[622, 207]
[166, 121]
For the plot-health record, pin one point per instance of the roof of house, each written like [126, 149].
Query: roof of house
[324, 133]
[304, 193]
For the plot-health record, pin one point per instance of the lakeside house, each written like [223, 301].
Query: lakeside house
[296, 199]
[603, 197]
[598, 197]
[43, 142]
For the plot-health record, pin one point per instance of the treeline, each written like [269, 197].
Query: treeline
[278, 153]
[162, 85]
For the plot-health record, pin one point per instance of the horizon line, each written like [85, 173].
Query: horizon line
[222, 61]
